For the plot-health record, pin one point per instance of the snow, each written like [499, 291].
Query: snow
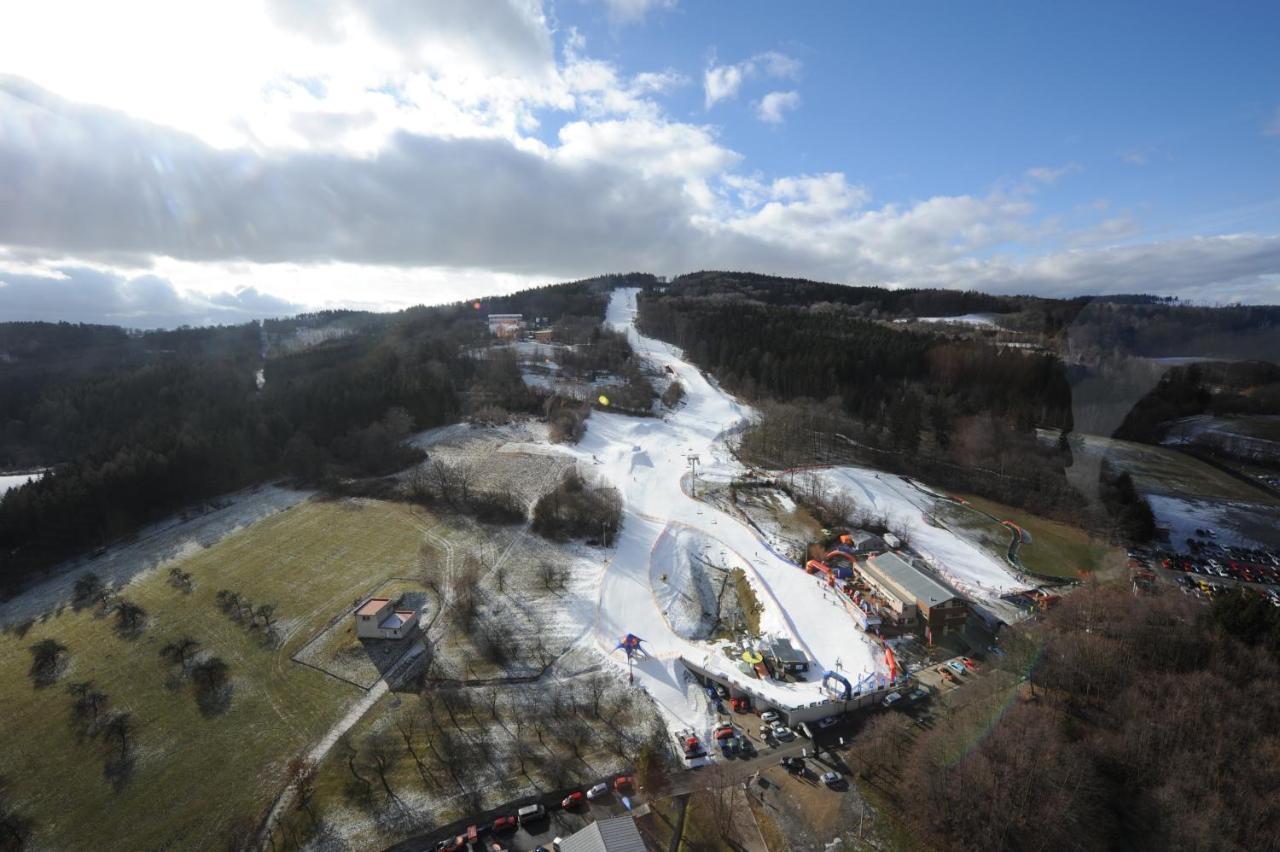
[961, 562]
[14, 480]
[156, 545]
[964, 319]
[1235, 524]
[646, 459]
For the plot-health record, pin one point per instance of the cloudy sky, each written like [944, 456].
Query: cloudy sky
[165, 162]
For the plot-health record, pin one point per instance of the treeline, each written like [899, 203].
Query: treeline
[1238, 388]
[878, 301]
[1144, 725]
[959, 413]
[790, 351]
[153, 422]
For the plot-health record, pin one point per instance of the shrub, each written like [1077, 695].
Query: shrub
[576, 509]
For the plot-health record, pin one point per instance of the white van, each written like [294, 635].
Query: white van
[530, 813]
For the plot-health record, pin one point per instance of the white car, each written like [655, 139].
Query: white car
[827, 722]
[769, 716]
[891, 699]
[831, 779]
[598, 791]
[783, 733]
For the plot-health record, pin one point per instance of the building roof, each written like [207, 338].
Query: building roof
[908, 582]
[372, 606]
[784, 651]
[399, 618]
[617, 834]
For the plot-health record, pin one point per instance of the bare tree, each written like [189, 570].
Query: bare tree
[407, 723]
[384, 751]
[180, 579]
[301, 776]
[180, 651]
[48, 660]
[359, 788]
[130, 618]
[88, 706]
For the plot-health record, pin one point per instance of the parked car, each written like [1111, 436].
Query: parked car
[745, 747]
[792, 764]
[782, 732]
[956, 666]
[891, 699]
[623, 783]
[769, 716]
[827, 722]
[831, 779]
[917, 695]
[724, 732]
[573, 800]
[505, 823]
[597, 791]
[530, 813]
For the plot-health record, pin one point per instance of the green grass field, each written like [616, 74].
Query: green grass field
[195, 774]
[1056, 549]
[1157, 470]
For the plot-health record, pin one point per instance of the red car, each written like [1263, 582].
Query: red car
[573, 800]
[623, 782]
[724, 732]
[504, 823]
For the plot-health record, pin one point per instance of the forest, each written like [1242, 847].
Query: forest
[1155, 716]
[137, 425]
[960, 413]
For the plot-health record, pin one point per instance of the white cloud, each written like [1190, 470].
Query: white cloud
[359, 160]
[86, 294]
[778, 65]
[1050, 174]
[722, 82]
[634, 11]
[772, 107]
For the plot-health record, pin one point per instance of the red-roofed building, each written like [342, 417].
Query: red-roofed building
[376, 619]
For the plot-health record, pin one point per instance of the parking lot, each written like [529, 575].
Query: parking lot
[558, 822]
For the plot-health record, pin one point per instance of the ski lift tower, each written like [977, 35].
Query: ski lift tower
[693, 474]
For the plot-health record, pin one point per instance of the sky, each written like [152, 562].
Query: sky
[165, 162]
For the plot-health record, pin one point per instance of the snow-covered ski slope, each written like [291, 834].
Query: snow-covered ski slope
[964, 564]
[646, 458]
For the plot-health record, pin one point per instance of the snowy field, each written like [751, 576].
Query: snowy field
[961, 562]
[964, 319]
[155, 545]
[13, 480]
[646, 459]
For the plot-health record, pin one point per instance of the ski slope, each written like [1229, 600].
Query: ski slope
[646, 459]
[963, 563]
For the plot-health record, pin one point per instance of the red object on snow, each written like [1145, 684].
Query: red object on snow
[891, 661]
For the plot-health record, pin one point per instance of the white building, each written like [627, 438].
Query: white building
[376, 619]
[506, 325]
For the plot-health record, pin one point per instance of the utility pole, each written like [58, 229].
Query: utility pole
[693, 474]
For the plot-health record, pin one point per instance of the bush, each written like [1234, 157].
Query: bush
[673, 394]
[576, 509]
[504, 508]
